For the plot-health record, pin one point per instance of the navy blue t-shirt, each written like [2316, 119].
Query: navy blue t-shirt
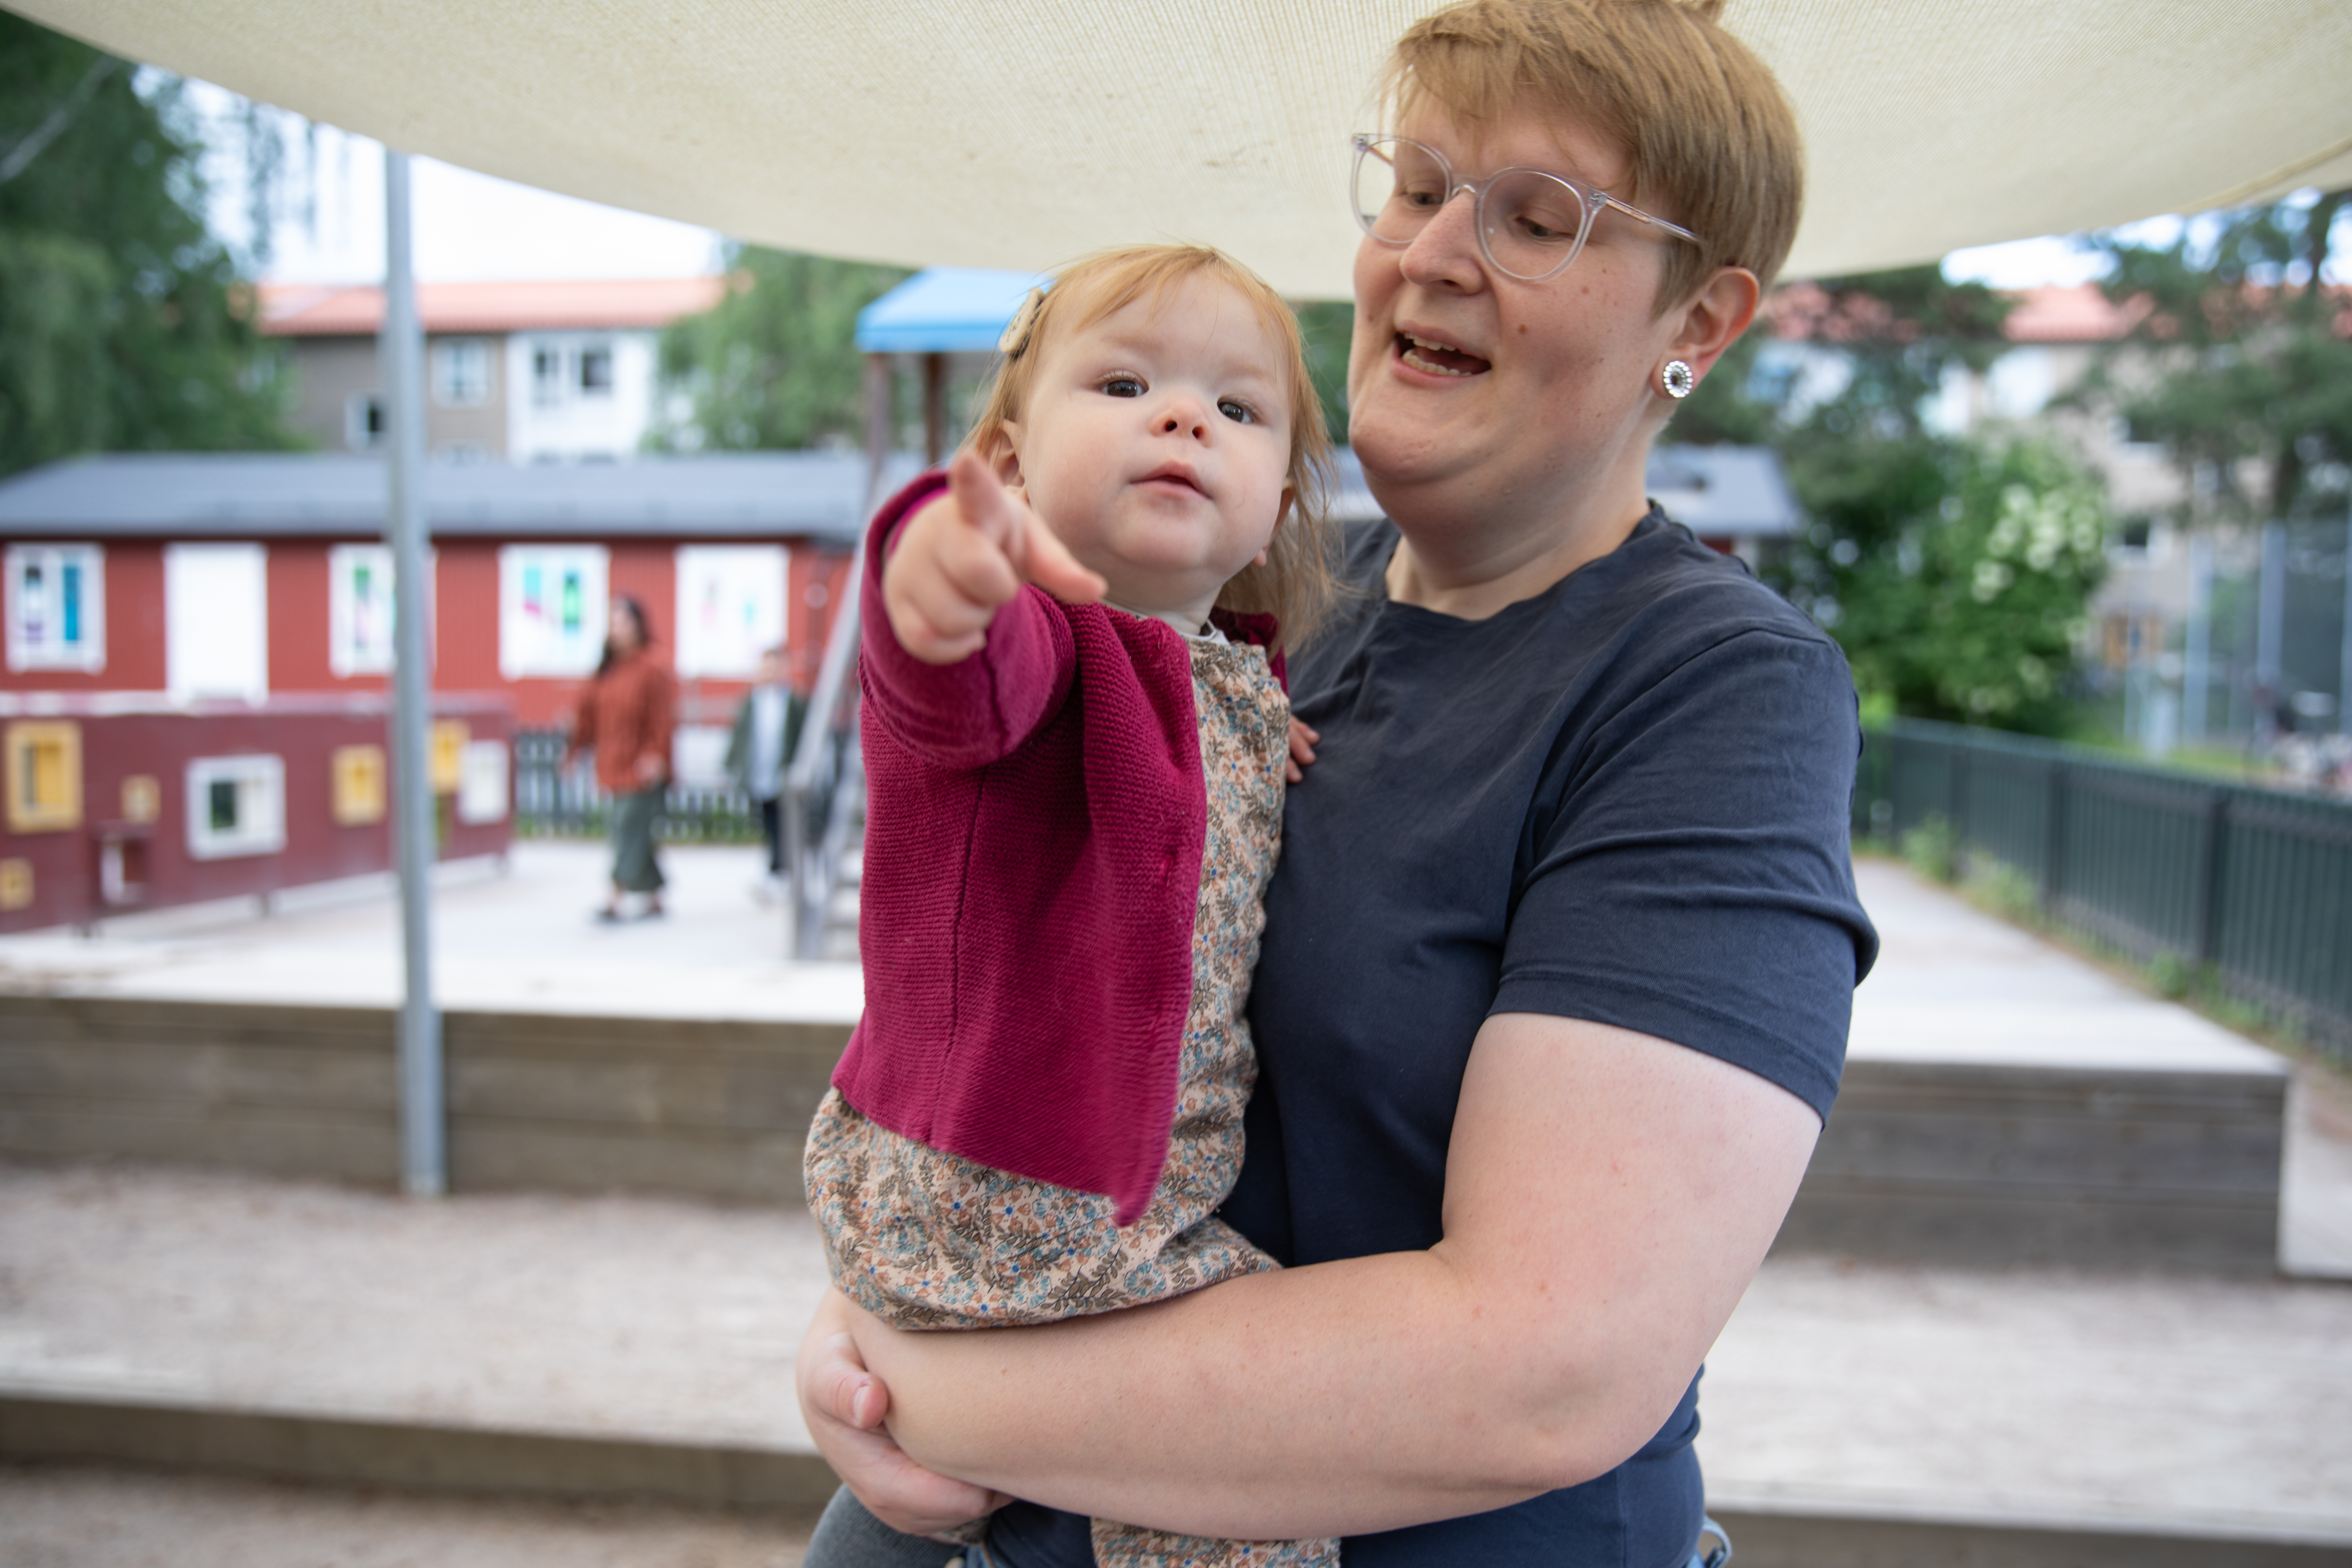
[1624, 799]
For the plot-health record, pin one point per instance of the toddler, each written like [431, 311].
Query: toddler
[1074, 809]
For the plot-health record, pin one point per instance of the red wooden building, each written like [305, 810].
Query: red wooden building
[120, 802]
[251, 575]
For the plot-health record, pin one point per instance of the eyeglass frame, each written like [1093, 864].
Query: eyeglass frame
[1589, 201]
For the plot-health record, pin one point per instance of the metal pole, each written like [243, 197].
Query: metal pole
[2270, 634]
[2197, 678]
[424, 1159]
[2343, 672]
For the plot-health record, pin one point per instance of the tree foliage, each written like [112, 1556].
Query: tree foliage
[1326, 330]
[2238, 349]
[1954, 573]
[123, 324]
[774, 363]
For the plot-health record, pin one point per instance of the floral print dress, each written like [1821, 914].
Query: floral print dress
[925, 1239]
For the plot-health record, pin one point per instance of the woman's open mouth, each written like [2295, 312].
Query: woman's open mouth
[1438, 359]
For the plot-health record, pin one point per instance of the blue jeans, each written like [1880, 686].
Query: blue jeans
[850, 1537]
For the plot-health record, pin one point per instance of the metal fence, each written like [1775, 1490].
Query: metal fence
[554, 802]
[2253, 884]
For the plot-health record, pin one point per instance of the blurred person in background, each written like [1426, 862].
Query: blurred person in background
[760, 748]
[625, 716]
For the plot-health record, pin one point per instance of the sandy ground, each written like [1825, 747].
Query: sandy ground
[80, 1517]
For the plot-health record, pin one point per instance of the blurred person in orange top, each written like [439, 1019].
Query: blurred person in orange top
[625, 716]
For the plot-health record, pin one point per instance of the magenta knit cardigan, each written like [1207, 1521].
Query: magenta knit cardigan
[1034, 834]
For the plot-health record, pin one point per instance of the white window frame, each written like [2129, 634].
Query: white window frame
[357, 408]
[525, 652]
[88, 653]
[751, 583]
[450, 387]
[485, 782]
[596, 348]
[183, 645]
[344, 660]
[260, 780]
[548, 386]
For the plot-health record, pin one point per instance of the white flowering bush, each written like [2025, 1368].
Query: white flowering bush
[1961, 592]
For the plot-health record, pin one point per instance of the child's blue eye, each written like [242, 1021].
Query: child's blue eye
[1240, 412]
[1123, 386]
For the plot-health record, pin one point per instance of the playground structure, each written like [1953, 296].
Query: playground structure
[124, 802]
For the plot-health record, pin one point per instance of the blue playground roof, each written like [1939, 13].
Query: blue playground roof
[944, 309]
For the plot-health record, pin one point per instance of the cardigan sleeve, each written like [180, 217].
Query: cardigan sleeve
[978, 709]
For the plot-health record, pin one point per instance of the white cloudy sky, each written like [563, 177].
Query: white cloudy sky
[474, 227]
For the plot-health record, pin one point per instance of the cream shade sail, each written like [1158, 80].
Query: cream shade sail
[1017, 134]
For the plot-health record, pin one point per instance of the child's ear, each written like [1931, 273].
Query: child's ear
[1002, 452]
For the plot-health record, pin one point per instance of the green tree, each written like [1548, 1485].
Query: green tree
[124, 323]
[774, 363]
[2236, 351]
[1326, 328]
[1953, 573]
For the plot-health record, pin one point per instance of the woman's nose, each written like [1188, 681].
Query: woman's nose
[1446, 250]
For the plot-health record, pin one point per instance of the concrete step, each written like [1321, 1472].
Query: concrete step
[52, 1516]
[616, 1348]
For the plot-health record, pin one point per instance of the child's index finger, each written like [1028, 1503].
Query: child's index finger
[1047, 562]
[985, 505]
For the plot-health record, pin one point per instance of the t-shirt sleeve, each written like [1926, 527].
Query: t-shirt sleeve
[1687, 873]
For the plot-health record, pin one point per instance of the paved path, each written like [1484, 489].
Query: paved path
[2205, 1406]
[518, 939]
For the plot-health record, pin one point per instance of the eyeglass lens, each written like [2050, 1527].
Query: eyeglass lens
[1532, 222]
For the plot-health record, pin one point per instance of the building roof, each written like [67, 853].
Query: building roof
[1724, 492]
[316, 311]
[1717, 492]
[945, 309]
[263, 495]
[2078, 314]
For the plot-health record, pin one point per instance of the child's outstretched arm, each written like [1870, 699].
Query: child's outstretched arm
[964, 557]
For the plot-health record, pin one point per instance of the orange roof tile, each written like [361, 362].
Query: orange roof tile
[297, 310]
[2081, 313]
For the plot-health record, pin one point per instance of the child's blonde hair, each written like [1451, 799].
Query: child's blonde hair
[1710, 134]
[1296, 586]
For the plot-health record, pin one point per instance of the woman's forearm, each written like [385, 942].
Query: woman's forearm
[1344, 1398]
[1593, 1250]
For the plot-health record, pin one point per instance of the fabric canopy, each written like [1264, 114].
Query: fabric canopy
[1017, 136]
[945, 309]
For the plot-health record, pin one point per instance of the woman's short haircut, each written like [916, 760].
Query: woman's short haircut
[1712, 141]
[1296, 586]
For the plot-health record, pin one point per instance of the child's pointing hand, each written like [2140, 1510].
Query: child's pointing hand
[964, 557]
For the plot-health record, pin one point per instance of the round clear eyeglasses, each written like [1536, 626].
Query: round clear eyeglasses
[1531, 223]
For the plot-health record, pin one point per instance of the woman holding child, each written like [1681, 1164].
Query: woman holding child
[1558, 952]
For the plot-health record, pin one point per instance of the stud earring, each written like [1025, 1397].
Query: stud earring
[1677, 380]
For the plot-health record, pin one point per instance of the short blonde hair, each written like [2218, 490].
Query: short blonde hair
[1711, 135]
[1296, 586]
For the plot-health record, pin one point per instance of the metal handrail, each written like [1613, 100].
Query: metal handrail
[826, 770]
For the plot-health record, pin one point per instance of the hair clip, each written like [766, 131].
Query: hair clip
[1025, 321]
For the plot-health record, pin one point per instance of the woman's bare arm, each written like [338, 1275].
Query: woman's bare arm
[1608, 1196]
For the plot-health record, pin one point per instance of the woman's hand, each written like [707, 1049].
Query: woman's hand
[963, 556]
[844, 1405]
